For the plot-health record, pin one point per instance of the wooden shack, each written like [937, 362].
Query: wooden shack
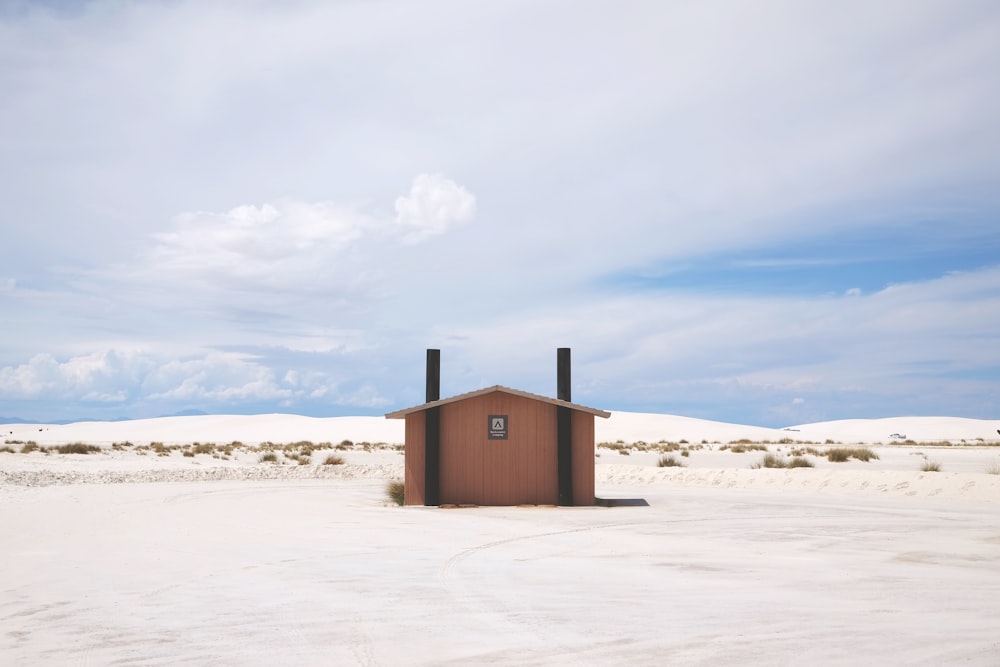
[499, 446]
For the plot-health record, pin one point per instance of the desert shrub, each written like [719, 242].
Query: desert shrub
[993, 469]
[395, 491]
[206, 448]
[304, 460]
[188, 453]
[333, 460]
[931, 466]
[77, 448]
[742, 446]
[160, 448]
[345, 444]
[800, 462]
[771, 461]
[669, 462]
[838, 455]
[841, 454]
[802, 451]
[9, 450]
[268, 457]
[30, 446]
[863, 454]
[685, 453]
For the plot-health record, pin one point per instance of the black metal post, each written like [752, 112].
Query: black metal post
[564, 427]
[432, 431]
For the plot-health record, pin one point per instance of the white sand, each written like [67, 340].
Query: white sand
[238, 562]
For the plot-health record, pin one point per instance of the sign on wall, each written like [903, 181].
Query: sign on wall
[498, 427]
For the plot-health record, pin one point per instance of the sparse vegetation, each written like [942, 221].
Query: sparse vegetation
[802, 451]
[842, 454]
[77, 448]
[931, 466]
[669, 461]
[395, 491]
[993, 469]
[800, 462]
[333, 460]
[9, 450]
[31, 446]
[770, 461]
[743, 446]
[268, 457]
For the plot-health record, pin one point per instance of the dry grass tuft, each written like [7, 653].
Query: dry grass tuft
[931, 466]
[770, 461]
[333, 460]
[669, 462]
[841, 454]
[395, 491]
[77, 448]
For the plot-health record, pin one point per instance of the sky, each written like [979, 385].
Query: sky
[768, 213]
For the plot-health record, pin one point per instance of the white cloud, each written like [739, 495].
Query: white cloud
[298, 245]
[100, 375]
[284, 244]
[285, 130]
[434, 205]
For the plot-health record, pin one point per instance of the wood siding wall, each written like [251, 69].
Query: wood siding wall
[523, 469]
[413, 480]
[583, 458]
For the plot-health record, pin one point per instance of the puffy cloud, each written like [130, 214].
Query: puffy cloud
[434, 205]
[99, 376]
[207, 379]
[293, 244]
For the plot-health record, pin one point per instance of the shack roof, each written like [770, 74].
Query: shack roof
[401, 414]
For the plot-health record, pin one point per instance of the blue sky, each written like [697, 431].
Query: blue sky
[770, 213]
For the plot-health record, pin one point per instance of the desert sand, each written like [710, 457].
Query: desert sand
[124, 556]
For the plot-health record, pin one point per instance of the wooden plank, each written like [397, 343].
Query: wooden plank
[413, 457]
[583, 459]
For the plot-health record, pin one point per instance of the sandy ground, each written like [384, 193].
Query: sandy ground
[119, 558]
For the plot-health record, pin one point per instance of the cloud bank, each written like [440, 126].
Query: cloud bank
[767, 214]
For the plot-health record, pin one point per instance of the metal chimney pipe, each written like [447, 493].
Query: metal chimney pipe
[433, 375]
[563, 384]
[432, 431]
[564, 429]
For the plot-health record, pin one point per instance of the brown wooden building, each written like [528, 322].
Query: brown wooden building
[499, 446]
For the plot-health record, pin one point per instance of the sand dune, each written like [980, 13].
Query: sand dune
[119, 557]
[627, 426]
[896, 471]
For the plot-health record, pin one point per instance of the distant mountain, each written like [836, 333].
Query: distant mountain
[188, 413]
[14, 420]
